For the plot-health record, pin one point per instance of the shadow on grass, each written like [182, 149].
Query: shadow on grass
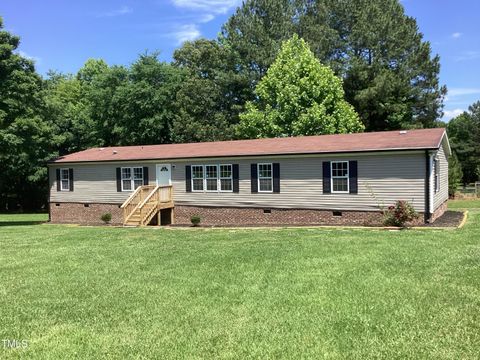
[21, 222]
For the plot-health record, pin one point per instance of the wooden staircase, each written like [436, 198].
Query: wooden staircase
[146, 202]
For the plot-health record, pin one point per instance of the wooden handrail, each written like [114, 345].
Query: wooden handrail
[134, 195]
[142, 204]
[143, 195]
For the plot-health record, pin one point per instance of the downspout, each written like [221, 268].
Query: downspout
[428, 185]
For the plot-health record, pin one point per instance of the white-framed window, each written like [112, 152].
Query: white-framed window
[64, 179]
[436, 173]
[226, 178]
[132, 178]
[211, 177]
[197, 177]
[265, 177]
[339, 176]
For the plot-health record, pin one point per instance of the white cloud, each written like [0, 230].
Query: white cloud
[206, 18]
[211, 6]
[35, 59]
[456, 35]
[468, 55]
[124, 10]
[450, 114]
[454, 92]
[185, 33]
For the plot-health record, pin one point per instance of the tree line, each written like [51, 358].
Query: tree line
[382, 73]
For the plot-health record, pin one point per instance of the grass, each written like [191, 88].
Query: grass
[464, 204]
[96, 292]
[22, 219]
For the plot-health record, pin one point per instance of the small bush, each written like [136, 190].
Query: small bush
[195, 219]
[106, 218]
[399, 214]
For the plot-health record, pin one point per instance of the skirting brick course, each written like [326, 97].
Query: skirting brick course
[256, 216]
[77, 213]
[439, 211]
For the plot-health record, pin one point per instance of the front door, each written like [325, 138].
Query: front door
[164, 174]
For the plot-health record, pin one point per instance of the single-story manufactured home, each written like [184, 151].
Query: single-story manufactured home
[310, 180]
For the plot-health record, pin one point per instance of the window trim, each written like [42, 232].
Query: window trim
[220, 178]
[132, 177]
[203, 178]
[340, 177]
[271, 177]
[62, 179]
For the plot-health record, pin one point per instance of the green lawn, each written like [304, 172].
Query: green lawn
[86, 292]
[464, 204]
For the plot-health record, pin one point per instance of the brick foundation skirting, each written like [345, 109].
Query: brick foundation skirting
[78, 213]
[223, 216]
[439, 211]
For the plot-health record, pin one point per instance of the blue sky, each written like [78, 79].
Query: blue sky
[62, 35]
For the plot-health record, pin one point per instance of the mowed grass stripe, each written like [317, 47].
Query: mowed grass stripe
[93, 292]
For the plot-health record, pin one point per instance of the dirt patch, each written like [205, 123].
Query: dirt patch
[448, 219]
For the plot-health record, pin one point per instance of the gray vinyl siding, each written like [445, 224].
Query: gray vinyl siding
[382, 179]
[94, 183]
[442, 195]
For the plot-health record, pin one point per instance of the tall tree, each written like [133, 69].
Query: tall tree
[26, 139]
[298, 96]
[131, 105]
[211, 95]
[390, 76]
[455, 174]
[464, 135]
[145, 103]
[68, 111]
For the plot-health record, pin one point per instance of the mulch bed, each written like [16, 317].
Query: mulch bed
[448, 219]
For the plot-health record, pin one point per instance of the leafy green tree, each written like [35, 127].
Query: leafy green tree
[211, 95]
[130, 105]
[390, 76]
[464, 135]
[145, 102]
[298, 96]
[26, 139]
[455, 175]
[256, 32]
[68, 111]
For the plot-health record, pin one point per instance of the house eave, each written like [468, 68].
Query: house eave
[249, 156]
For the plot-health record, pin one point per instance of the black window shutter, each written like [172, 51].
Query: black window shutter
[353, 177]
[145, 175]
[254, 178]
[188, 178]
[276, 177]
[236, 175]
[58, 180]
[326, 177]
[119, 179]
[70, 177]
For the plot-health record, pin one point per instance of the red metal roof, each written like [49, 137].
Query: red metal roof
[361, 142]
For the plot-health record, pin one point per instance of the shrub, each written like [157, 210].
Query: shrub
[195, 219]
[106, 218]
[399, 214]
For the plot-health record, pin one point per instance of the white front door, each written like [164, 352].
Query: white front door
[164, 174]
